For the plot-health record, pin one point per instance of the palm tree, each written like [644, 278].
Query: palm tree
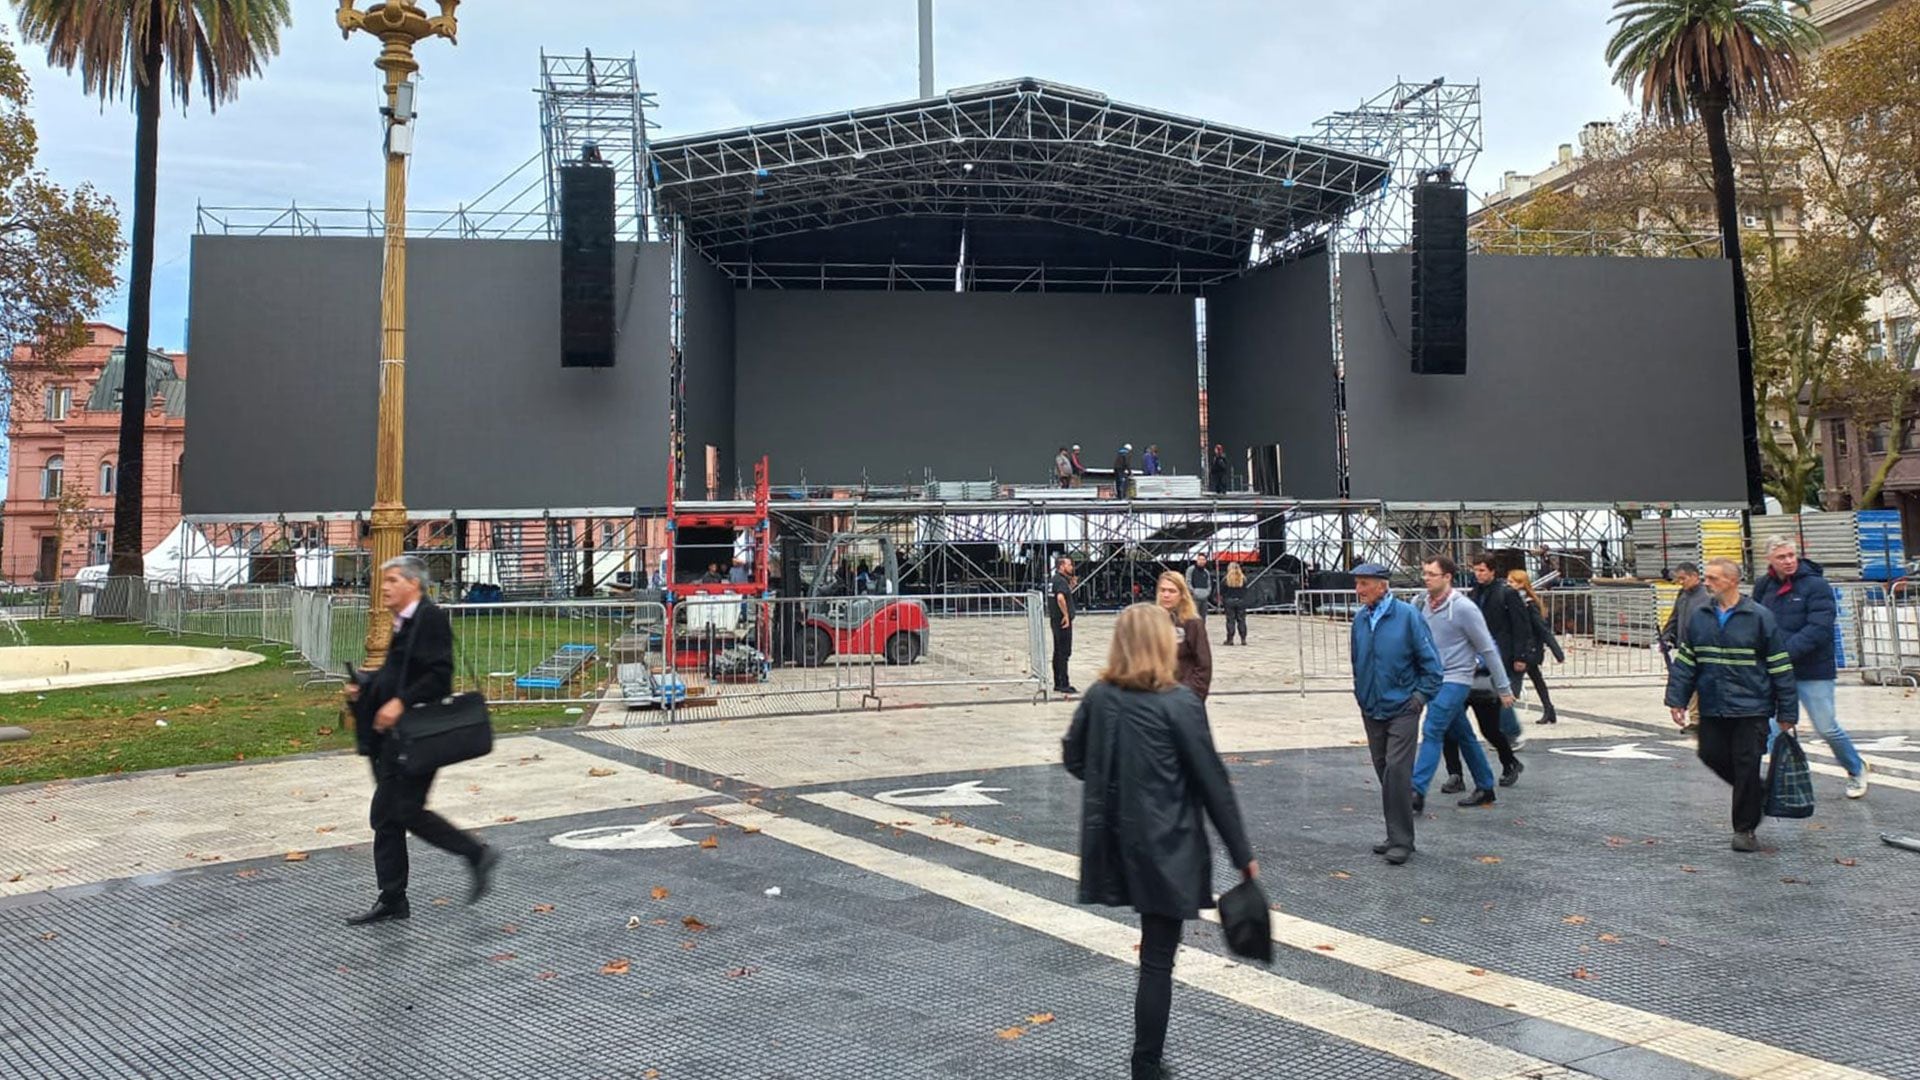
[1707, 59]
[129, 47]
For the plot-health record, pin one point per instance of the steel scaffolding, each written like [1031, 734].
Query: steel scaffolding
[1419, 127]
[594, 106]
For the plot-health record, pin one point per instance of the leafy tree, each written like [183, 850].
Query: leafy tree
[1707, 60]
[145, 49]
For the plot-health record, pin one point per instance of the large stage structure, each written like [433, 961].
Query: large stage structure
[897, 299]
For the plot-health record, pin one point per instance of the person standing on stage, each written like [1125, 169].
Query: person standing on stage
[1217, 471]
[418, 668]
[1396, 672]
[1150, 464]
[1543, 641]
[1060, 618]
[1063, 469]
[1193, 666]
[1461, 639]
[1140, 744]
[1734, 656]
[1122, 471]
[1802, 605]
[1233, 597]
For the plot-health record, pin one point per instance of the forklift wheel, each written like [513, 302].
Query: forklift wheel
[903, 647]
[814, 647]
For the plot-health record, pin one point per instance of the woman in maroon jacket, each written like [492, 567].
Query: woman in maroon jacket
[1194, 667]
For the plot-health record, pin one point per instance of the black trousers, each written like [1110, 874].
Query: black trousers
[1732, 747]
[1153, 1000]
[399, 808]
[1062, 652]
[1486, 714]
[1236, 620]
[1540, 689]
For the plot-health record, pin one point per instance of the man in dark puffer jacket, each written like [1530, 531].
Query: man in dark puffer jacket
[1802, 605]
[1734, 656]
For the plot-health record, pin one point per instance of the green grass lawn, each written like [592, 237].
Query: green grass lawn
[255, 712]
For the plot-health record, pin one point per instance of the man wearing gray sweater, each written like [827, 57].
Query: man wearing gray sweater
[1461, 638]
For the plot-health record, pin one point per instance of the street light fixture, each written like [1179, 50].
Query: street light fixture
[399, 24]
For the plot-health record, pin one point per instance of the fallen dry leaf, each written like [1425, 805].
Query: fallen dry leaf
[659, 893]
[656, 922]
[506, 819]
[692, 923]
[598, 771]
[1425, 919]
[296, 856]
[326, 828]
[1040, 1018]
[441, 901]
[545, 975]
[1611, 939]
[1685, 869]
[473, 789]
[1847, 862]
[1476, 971]
[686, 944]
[1011, 1033]
[1340, 875]
[510, 928]
[1488, 859]
[616, 967]
[1324, 948]
[651, 1074]
[710, 842]
[1582, 973]
[1575, 920]
[48, 936]
[1618, 841]
[741, 972]
[16, 877]
[246, 873]
[1793, 881]
[501, 958]
[542, 909]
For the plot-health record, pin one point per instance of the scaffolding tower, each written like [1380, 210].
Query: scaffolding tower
[592, 105]
[1419, 127]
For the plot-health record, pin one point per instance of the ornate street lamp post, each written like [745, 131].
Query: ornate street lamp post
[398, 24]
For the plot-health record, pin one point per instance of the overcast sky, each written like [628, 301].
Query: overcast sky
[307, 132]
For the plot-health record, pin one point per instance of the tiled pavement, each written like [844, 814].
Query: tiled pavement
[889, 952]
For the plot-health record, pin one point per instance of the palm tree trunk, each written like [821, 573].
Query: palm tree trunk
[129, 533]
[1713, 115]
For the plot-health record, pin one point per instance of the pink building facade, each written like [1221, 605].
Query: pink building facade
[64, 430]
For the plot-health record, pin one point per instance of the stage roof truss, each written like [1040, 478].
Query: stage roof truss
[1020, 150]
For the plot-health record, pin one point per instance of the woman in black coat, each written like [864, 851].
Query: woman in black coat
[1543, 640]
[1141, 743]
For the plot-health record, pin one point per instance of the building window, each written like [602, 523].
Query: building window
[1902, 334]
[52, 477]
[99, 541]
[1839, 437]
[176, 475]
[106, 477]
[59, 402]
[1909, 436]
[1877, 438]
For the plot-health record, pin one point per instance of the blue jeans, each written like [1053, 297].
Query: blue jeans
[1447, 719]
[1816, 702]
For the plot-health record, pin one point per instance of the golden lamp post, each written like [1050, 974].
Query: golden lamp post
[398, 24]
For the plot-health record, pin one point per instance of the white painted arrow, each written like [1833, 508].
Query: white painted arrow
[657, 833]
[1623, 752]
[964, 793]
[1898, 744]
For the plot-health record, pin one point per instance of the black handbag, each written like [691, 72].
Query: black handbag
[1247, 921]
[435, 734]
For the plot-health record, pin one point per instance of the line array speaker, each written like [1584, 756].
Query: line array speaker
[1439, 279]
[586, 266]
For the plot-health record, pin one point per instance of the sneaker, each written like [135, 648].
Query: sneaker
[1518, 742]
[1746, 841]
[1454, 785]
[1857, 785]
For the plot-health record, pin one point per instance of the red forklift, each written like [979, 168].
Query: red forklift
[852, 607]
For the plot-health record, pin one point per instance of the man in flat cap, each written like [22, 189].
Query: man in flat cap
[1396, 671]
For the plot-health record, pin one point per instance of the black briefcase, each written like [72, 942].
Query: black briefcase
[436, 734]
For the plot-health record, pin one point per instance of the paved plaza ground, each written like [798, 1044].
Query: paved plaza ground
[1593, 922]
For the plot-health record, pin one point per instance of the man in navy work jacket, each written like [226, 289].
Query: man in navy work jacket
[1802, 605]
[1396, 671]
[1734, 657]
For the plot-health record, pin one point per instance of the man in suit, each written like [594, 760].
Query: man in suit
[418, 668]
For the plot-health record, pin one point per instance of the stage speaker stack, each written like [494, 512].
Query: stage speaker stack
[1439, 278]
[586, 266]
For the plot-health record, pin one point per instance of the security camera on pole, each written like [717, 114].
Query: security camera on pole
[398, 24]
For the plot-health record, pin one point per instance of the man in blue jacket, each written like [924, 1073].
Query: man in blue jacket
[1735, 658]
[1802, 605]
[1395, 673]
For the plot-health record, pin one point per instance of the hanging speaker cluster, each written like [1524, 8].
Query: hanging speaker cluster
[1439, 278]
[586, 266]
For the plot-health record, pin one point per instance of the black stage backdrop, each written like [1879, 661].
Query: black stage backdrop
[837, 385]
[1588, 380]
[1270, 374]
